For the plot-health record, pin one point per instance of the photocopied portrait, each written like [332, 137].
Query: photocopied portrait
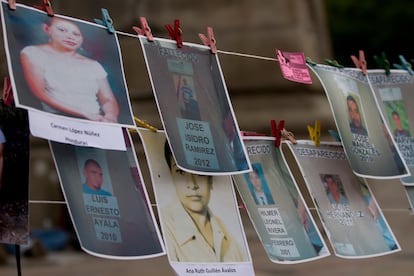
[64, 66]
[199, 215]
[193, 233]
[258, 186]
[355, 118]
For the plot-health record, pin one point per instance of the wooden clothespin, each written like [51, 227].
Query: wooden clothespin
[176, 33]
[144, 124]
[144, 30]
[276, 131]
[383, 63]
[334, 63]
[335, 135]
[46, 7]
[405, 65]
[106, 21]
[360, 63]
[7, 92]
[315, 133]
[209, 40]
[12, 4]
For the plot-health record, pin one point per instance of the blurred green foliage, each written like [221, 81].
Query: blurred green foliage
[374, 26]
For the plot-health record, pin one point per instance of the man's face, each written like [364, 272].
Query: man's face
[256, 181]
[192, 190]
[94, 176]
[354, 113]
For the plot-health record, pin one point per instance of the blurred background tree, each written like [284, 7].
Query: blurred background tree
[374, 26]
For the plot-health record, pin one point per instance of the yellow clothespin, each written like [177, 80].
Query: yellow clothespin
[144, 124]
[315, 133]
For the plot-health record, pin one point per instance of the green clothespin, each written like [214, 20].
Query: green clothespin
[404, 65]
[334, 63]
[310, 62]
[383, 63]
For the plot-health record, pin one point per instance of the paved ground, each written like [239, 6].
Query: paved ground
[392, 201]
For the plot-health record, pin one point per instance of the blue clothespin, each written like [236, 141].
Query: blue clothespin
[404, 65]
[383, 63]
[315, 133]
[335, 135]
[334, 63]
[107, 21]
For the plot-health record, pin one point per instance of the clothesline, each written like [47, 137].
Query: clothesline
[219, 51]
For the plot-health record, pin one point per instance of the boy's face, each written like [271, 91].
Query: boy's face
[64, 34]
[193, 190]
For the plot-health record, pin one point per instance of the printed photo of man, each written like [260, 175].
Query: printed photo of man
[192, 232]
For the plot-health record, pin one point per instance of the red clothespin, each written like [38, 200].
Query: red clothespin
[209, 40]
[360, 63]
[175, 33]
[7, 92]
[12, 5]
[277, 131]
[47, 7]
[145, 29]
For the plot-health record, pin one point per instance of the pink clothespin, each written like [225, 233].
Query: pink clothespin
[287, 135]
[360, 63]
[7, 92]
[47, 7]
[276, 130]
[12, 4]
[209, 40]
[145, 29]
[175, 33]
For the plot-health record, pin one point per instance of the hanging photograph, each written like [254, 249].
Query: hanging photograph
[65, 66]
[195, 108]
[367, 142]
[394, 94]
[107, 201]
[199, 215]
[352, 219]
[276, 208]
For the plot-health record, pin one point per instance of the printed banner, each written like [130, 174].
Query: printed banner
[367, 142]
[355, 224]
[195, 108]
[14, 175]
[395, 97]
[65, 66]
[199, 216]
[107, 201]
[276, 208]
